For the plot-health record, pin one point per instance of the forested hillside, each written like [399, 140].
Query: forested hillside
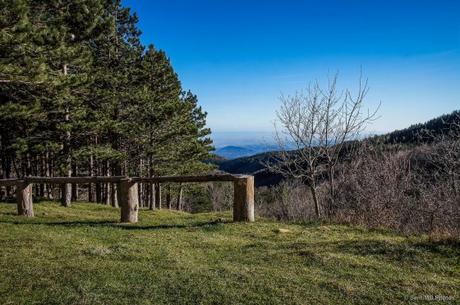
[419, 133]
[80, 95]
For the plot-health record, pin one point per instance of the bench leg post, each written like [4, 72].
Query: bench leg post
[243, 200]
[24, 199]
[129, 203]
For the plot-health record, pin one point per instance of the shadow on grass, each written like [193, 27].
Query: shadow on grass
[125, 226]
[402, 251]
[420, 252]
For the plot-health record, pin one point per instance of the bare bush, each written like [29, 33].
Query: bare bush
[289, 200]
[221, 195]
[408, 191]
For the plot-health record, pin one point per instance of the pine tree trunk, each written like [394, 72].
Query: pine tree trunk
[49, 170]
[179, 198]
[139, 187]
[107, 185]
[98, 193]
[42, 173]
[66, 194]
[66, 197]
[168, 196]
[152, 196]
[91, 173]
[98, 185]
[114, 195]
[28, 167]
[158, 196]
[74, 185]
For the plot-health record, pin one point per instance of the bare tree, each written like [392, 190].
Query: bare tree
[312, 129]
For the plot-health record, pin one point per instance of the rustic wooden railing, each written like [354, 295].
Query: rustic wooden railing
[243, 202]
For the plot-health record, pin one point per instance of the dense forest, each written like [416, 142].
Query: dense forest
[81, 96]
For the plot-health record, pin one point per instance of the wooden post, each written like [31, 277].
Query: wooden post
[243, 200]
[24, 199]
[129, 201]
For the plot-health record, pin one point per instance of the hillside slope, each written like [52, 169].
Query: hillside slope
[81, 255]
[253, 165]
[418, 132]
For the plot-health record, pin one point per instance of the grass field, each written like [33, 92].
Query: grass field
[81, 255]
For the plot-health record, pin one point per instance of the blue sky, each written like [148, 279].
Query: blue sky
[238, 56]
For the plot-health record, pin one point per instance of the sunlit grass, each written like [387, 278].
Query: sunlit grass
[82, 255]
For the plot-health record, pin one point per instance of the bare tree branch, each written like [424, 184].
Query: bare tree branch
[312, 129]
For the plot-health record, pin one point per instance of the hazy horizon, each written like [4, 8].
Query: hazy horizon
[249, 138]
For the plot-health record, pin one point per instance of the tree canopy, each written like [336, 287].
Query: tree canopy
[80, 94]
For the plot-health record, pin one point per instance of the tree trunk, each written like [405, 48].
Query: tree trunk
[114, 195]
[152, 196]
[107, 185]
[74, 185]
[98, 193]
[66, 197]
[49, 170]
[139, 194]
[179, 198]
[158, 195]
[41, 161]
[168, 196]
[315, 199]
[331, 190]
[66, 194]
[91, 173]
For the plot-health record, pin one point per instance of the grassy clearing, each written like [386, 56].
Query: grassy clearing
[81, 255]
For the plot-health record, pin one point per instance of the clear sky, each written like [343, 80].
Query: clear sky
[238, 56]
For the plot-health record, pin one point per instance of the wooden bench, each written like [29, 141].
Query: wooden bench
[243, 185]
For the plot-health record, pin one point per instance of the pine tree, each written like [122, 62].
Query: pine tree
[117, 56]
[22, 78]
[72, 26]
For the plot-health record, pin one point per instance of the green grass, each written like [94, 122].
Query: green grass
[81, 255]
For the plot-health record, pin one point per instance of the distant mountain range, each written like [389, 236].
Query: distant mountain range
[233, 152]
